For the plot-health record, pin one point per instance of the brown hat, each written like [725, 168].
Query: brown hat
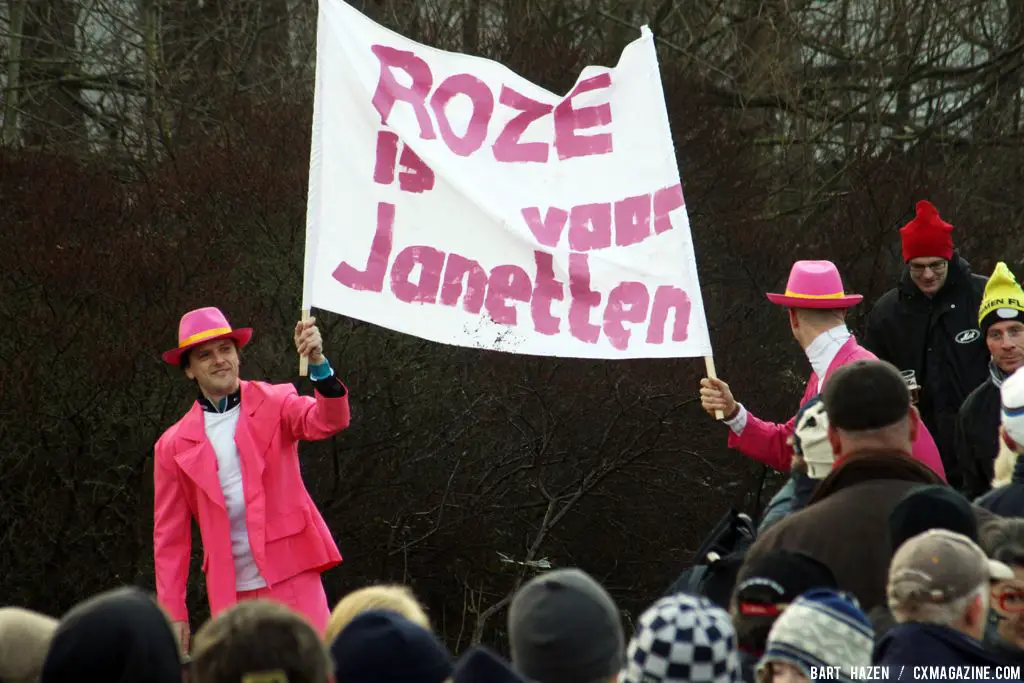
[938, 567]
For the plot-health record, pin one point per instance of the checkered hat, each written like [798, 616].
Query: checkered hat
[684, 639]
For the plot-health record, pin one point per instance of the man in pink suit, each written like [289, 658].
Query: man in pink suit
[816, 303]
[231, 463]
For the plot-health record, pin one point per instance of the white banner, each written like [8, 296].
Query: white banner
[453, 200]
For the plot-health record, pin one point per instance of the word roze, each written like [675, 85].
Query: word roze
[507, 147]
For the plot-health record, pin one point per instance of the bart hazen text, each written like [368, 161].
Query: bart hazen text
[919, 673]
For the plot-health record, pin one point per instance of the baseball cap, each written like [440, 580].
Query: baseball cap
[937, 567]
[866, 394]
[1012, 393]
[810, 439]
[774, 580]
[563, 627]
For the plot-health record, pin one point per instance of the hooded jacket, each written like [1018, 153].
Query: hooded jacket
[938, 338]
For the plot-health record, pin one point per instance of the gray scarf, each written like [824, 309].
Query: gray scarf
[998, 376]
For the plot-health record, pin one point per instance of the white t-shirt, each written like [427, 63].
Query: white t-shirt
[220, 429]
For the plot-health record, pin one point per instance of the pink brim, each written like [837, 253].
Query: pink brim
[241, 336]
[797, 302]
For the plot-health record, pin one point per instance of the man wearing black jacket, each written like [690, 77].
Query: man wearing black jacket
[928, 324]
[1001, 317]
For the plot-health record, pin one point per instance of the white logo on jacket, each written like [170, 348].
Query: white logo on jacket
[967, 336]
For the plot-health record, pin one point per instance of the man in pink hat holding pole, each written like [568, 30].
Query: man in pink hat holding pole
[231, 463]
[816, 304]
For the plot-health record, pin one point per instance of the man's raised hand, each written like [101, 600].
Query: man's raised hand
[308, 341]
[715, 396]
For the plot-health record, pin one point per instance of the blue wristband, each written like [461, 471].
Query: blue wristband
[321, 370]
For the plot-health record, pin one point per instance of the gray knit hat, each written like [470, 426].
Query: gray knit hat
[563, 627]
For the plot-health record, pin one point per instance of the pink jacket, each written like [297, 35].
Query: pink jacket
[287, 534]
[765, 442]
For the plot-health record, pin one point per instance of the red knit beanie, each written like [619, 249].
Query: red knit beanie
[927, 235]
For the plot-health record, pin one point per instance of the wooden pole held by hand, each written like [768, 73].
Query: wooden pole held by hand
[304, 360]
[709, 363]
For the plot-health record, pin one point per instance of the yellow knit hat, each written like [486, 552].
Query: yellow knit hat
[1003, 300]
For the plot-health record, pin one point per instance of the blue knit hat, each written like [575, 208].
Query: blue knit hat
[481, 665]
[379, 646]
[822, 628]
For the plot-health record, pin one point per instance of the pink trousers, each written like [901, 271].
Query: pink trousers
[303, 593]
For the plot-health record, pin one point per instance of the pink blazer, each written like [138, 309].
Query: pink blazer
[287, 534]
[765, 442]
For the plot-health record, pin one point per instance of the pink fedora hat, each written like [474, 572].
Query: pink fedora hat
[815, 284]
[203, 325]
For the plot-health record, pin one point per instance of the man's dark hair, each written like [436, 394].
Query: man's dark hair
[865, 395]
[183, 361]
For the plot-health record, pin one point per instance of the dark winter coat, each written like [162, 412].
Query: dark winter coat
[1008, 500]
[938, 338]
[977, 435]
[926, 645]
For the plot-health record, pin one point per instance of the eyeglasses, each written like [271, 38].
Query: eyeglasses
[939, 267]
[1009, 599]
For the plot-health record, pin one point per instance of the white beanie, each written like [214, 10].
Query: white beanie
[1013, 407]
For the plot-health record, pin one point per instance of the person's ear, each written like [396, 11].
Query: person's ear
[794, 319]
[976, 616]
[835, 440]
[914, 418]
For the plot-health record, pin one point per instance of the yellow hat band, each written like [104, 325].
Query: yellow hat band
[797, 295]
[203, 336]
